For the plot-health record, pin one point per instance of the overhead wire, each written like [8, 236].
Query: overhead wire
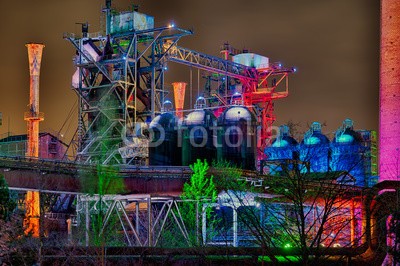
[68, 118]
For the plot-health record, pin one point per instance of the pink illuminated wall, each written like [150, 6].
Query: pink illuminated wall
[389, 120]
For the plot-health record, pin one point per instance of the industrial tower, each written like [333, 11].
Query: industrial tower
[389, 109]
[119, 80]
[33, 117]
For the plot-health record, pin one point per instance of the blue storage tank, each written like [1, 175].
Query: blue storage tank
[347, 153]
[163, 146]
[237, 137]
[315, 149]
[284, 147]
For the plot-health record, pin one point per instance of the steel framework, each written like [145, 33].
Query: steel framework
[142, 217]
[120, 81]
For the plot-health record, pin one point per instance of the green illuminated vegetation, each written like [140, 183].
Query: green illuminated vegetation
[198, 191]
[200, 186]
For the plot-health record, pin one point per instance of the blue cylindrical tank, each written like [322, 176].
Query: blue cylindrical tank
[347, 153]
[237, 137]
[199, 137]
[163, 146]
[314, 149]
[283, 147]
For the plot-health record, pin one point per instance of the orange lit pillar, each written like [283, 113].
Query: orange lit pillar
[179, 96]
[33, 117]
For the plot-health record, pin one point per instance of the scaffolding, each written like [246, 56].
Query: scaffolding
[120, 81]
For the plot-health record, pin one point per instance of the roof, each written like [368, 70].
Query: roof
[24, 137]
[283, 142]
[199, 117]
[315, 138]
[164, 120]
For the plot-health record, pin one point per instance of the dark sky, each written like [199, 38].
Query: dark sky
[333, 43]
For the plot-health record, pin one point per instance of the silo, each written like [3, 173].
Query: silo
[237, 137]
[283, 147]
[163, 146]
[347, 153]
[199, 135]
[314, 149]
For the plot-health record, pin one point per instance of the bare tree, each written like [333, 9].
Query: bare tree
[296, 210]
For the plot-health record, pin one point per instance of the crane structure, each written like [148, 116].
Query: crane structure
[119, 80]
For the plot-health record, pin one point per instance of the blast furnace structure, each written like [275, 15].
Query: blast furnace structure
[119, 80]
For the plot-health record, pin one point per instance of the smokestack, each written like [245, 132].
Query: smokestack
[389, 112]
[179, 96]
[33, 117]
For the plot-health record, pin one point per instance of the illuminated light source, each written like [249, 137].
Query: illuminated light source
[312, 140]
[294, 69]
[171, 25]
[165, 68]
[287, 245]
[344, 138]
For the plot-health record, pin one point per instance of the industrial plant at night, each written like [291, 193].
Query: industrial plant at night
[197, 170]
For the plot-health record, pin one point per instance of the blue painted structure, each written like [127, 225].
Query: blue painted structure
[350, 151]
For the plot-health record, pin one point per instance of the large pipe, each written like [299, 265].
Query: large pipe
[389, 115]
[33, 117]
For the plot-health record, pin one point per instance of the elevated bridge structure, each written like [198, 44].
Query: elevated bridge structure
[24, 173]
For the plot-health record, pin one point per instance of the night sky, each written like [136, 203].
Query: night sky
[334, 44]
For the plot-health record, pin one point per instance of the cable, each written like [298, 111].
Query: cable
[68, 116]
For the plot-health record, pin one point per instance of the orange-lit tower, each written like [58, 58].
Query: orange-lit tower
[33, 117]
[179, 96]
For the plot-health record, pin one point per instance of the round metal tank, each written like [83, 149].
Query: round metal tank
[315, 149]
[237, 137]
[199, 137]
[282, 147]
[163, 146]
[347, 153]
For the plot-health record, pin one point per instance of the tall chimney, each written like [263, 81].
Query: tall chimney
[179, 96]
[33, 117]
[389, 112]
